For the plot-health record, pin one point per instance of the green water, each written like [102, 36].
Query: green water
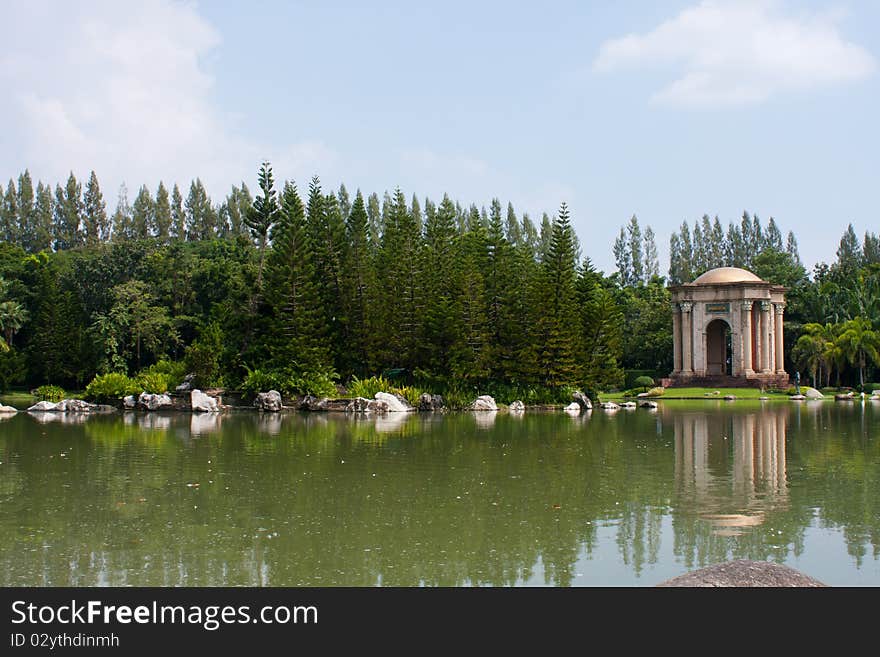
[630, 498]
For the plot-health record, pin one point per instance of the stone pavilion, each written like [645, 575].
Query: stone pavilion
[727, 330]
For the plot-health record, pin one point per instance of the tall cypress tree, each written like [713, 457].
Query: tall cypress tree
[438, 286]
[142, 214]
[162, 219]
[178, 216]
[652, 261]
[95, 222]
[637, 265]
[358, 290]
[260, 219]
[43, 218]
[299, 332]
[122, 221]
[200, 214]
[26, 228]
[9, 214]
[68, 214]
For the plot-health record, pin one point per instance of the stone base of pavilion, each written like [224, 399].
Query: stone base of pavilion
[757, 380]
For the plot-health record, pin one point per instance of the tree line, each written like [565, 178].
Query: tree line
[303, 289]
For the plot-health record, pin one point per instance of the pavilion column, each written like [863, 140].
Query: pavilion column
[766, 332]
[780, 355]
[746, 333]
[687, 338]
[676, 339]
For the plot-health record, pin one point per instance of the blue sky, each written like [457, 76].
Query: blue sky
[666, 110]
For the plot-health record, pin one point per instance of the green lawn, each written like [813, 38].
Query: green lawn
[18, 399]
[700, 393]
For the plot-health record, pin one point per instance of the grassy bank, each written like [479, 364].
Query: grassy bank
[704, 393]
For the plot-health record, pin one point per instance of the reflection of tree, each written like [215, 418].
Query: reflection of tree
[328, 499]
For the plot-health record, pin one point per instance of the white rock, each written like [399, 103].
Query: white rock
[154, 402]
[628, 404]
[202, 402]
[797, 398]
[811, 393]
[484, 403]
[517, 406]
[8, 409]
[269, 401]
[44, 406]
[130, 401]
[394, 403]
[573, 407]
[609, 406]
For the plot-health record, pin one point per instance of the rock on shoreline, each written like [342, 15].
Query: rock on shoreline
[744, 573]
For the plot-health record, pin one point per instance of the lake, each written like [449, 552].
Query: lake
[628, 498]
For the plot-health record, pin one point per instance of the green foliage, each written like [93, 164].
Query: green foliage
[659, 391]
[202, 357]
[161, 377]
[644, 382]
[368, 388]
[49, 393]
[111, 387]
[13, 368]
[309, 382]
[261, 381]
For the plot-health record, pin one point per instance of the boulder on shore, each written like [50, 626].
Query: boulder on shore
[844, 396]
[153, 402]
[573, 408]
[582, 400]
[269, 401]
[609, 406]
[797, 398]
[743, 573]
[811, 393]
[203, 403]
[628, 404]
[364, 405]
[428, 402]
[516, 406]
[8, 409]
[484, 403]
[647, 404]
[187, 384]
[129, 402]
[43, 406]
[396, 403]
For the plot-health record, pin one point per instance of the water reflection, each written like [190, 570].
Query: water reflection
[204, 423]
[731, 496]
[485, 419]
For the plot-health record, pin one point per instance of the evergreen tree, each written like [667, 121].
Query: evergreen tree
[374, 214]
[26, 228]
[652, 260]
[623, 259]
[9, 215]
[161, 226]
[601, 331]
[344, 201]
[686, 264]
[201, 217]
[512, 228]
[122, 217]
[178, 216]
[95, 222]
[43, 218]
[530, 237]
[773, 237]
[717, 246]
[546, 237]
[558, 325]
[736, 249]
[636, 272]
[359, 288]
[260, 219]
[791, 247]
[142, 214]
[68, 214]
[870, 248]
[675, 272]
[298, 327]
[849, 252]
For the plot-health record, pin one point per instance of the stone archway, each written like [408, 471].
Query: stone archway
[719, 348]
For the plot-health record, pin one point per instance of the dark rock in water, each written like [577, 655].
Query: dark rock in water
[312, 403]
[582, 400]
[430, 402]
[269, 401]
[743, 573]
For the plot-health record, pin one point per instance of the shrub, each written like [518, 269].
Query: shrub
[154, 382]
[165, 372]
[261, 381]
[409, 393]
[368, 387]
[49, 393]
[111, 387]
[659, 391]
[644, 382]
[320, 384]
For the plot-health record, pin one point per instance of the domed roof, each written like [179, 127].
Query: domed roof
[727, 275]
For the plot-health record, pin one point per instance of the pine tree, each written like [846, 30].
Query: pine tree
[43, 218]
[736, 250]
[546, 237]
[530, 237]
[601, 331]
[142, 214]
[652, 260]
[675, 273]
[9, 215]
[359, 288]
[637, 265]
[201, 218]
[122, 217]
[26, 228]
[471, 350]
[374, 214]
[623, 259]
[95, 222]
[68, 214]
[870, 248]
[747, 231]
[773, 237]
[178, 216]
[344, 201]
[688, 267]
[260, 219]
[299, 331]
[717, 246]
[849, 252]
[512, 228]
[791, 247]
[161, 226]
[558, 325]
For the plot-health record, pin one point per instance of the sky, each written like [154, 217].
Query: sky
[663, 110]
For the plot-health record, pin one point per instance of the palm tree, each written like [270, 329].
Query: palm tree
[12, 317]
[858, 342]
[809, 353]
[825, 336]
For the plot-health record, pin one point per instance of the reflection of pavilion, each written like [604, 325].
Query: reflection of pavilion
[731, 495]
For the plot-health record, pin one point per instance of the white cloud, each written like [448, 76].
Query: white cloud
[124, 88]
[739, 52]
